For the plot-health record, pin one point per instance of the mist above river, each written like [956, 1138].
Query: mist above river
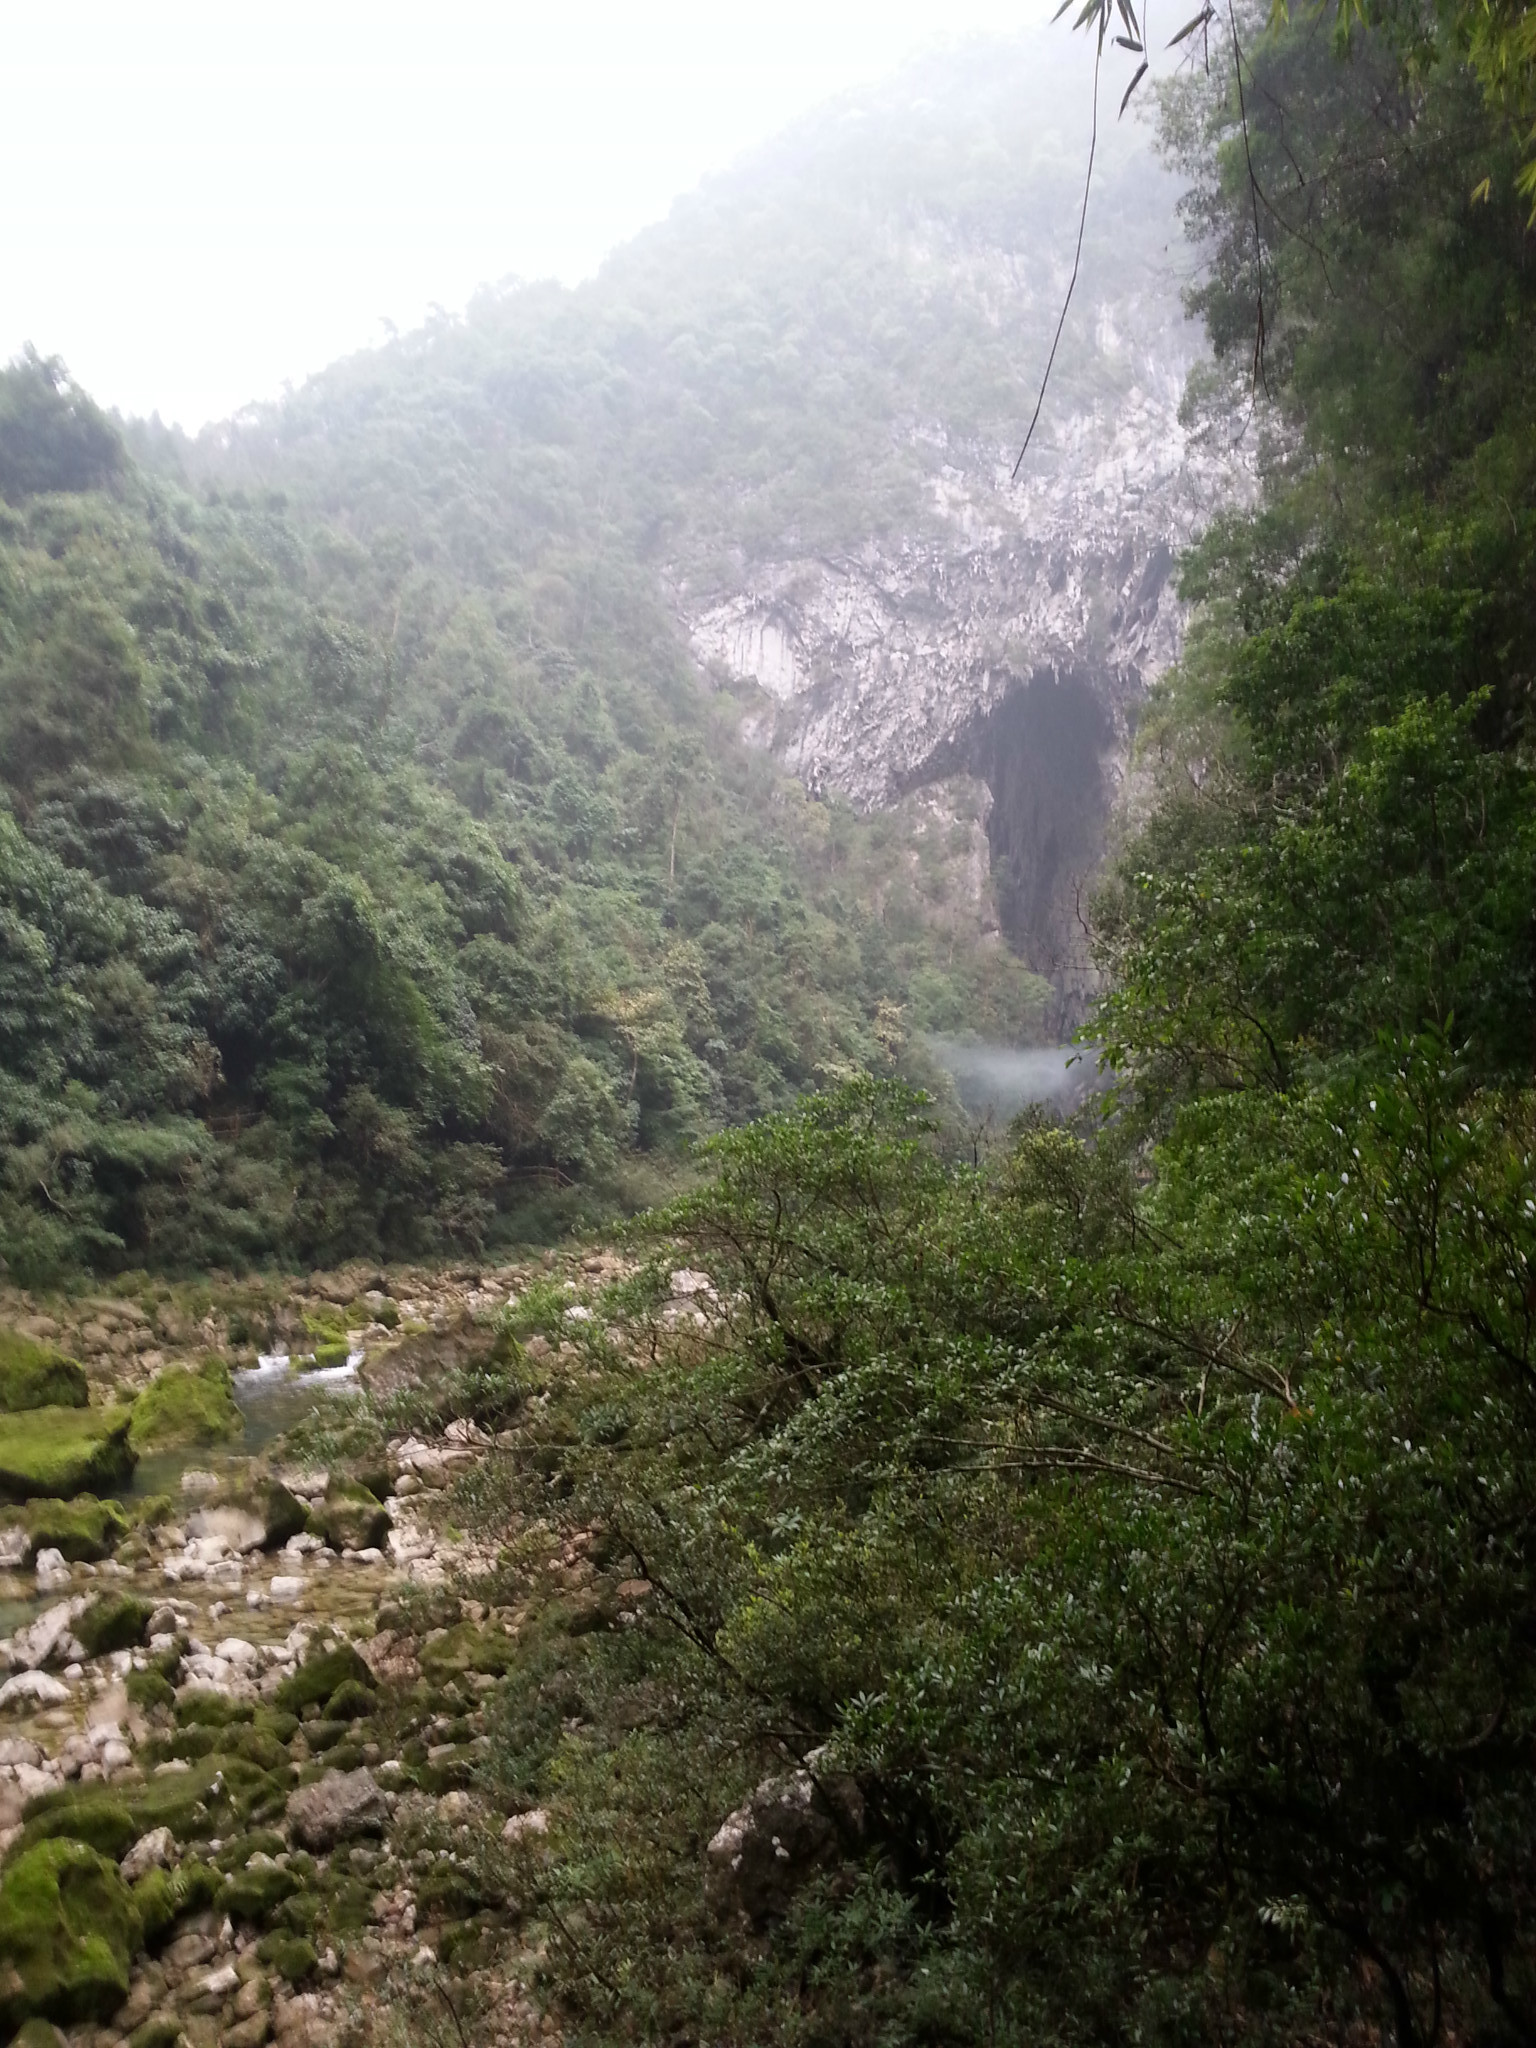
[998, 1081]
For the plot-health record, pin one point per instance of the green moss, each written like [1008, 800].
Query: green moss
[467, 1648]
[113, 1621]
[326, 1357]
[321, 1675]
[253, 1894]
[351, 1701]
[187, 1405]
[84, 1529]
[154, 1511]
[237, 1852]
[190, 1743]
[39, 2034]
[290, 1955]
[59, 1452]
[159, 2032]
[92, 1815]
[34, 1375]
[259, 1748]
[352, 1518]
[149, 1689]
[278, 1723]
[216, 1796]
[327, 1322]
[324, 1735]
[162, 1897]
[213, 1710]
[68, 1933]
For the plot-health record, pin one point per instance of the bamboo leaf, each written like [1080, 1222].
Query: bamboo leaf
[1206, 14]
[1141, 72]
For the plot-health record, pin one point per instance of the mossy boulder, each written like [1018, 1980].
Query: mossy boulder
[149, 1690]
[351, 1517]
[290, 1955]
[259, 1748]
[39, 2034]
[84, 1529]
[34, 1375]
[321, 1675]
[325, 1357]
[282, 1512]
[56, 1453]
[91, 1815]
[160, 2030]
[68, 1933]
[114, 1621]
[466, 1648]
[351, 1701]
[187, 1405]
[218, 1795]
[253, 1893]
[163, 1897]
[208, 1709]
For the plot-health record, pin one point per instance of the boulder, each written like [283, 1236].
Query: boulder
[321, 1676]
[59, 1452]
[466, 1648]
[35, 1375]
[150, 1852]
[85, 1530]
[187, 1405]
[352, 1518]
[52, 1569]
[49, 1637]
[237, 1528]
[791, 1827]
[27, 1690]
[68, 1934]
[113, 1621]
[340, 1807]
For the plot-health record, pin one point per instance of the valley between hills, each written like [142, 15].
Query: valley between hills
[768, 1209]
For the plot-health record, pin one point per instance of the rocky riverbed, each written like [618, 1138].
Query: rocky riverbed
[245, 1715]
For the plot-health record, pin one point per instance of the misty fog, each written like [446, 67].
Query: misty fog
[1000, 1080]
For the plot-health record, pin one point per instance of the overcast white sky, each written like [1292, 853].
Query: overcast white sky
[202, 202]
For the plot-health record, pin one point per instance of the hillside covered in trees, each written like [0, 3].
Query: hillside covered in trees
[1082, 1591]
[1097, 1584]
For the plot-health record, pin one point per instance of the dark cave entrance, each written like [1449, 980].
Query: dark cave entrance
[1042, 754]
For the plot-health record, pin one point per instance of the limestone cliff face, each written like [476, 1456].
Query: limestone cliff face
[1012, 638]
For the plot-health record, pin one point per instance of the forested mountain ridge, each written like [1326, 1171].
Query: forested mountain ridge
[348, 906]
[380, 861]
[792, 408]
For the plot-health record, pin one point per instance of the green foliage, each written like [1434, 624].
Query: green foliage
[52, 438]
[1141, 1522]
